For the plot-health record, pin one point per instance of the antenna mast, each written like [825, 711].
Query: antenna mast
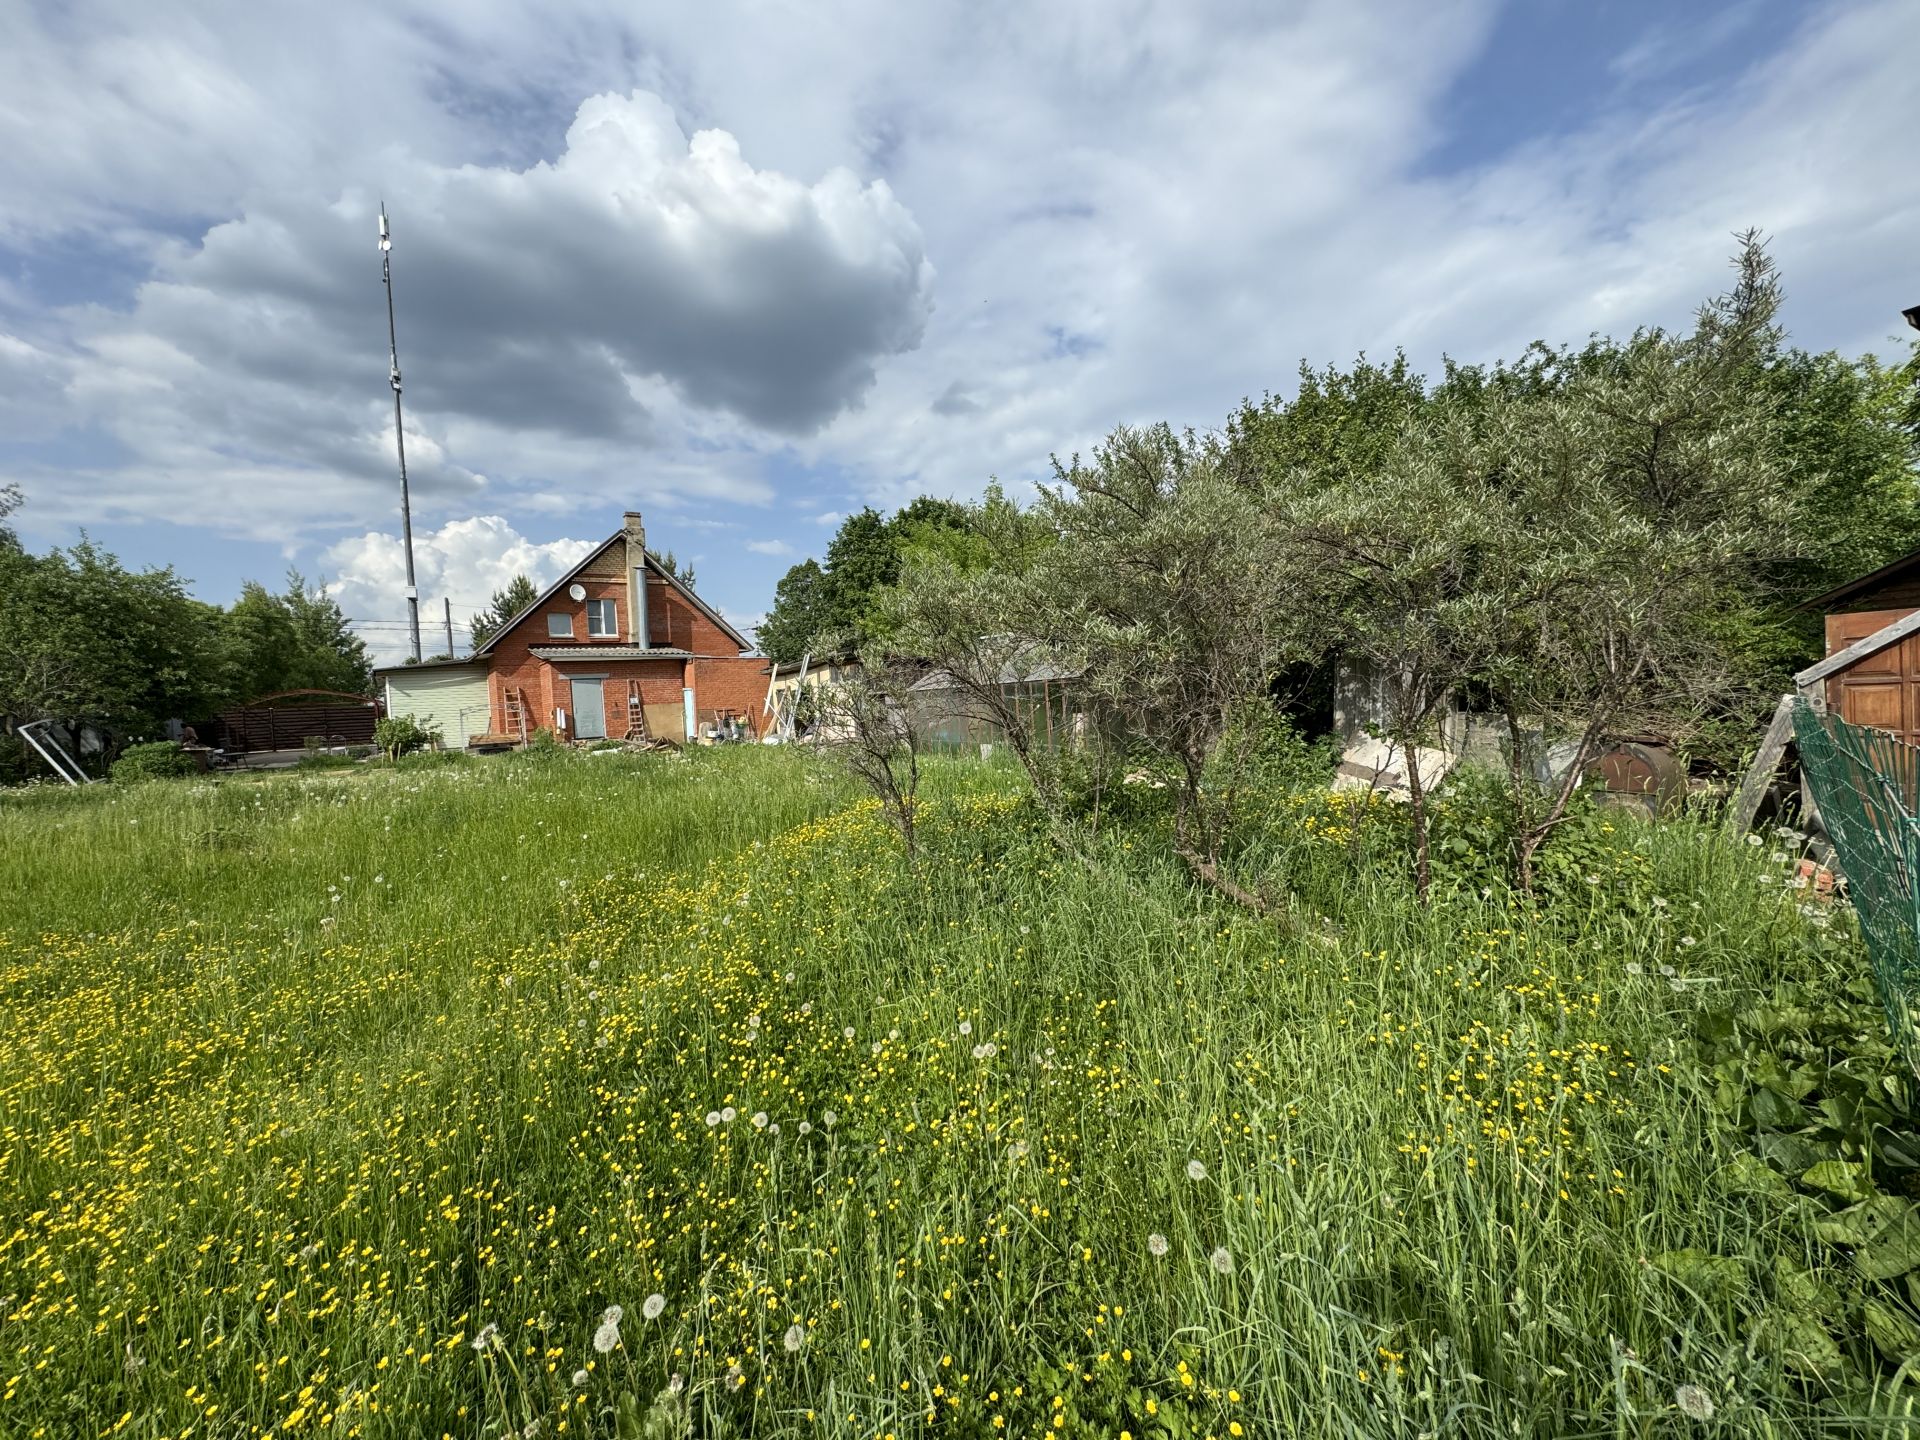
[399, 436]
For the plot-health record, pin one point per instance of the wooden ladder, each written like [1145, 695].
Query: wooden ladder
[515, 707]
[636, 714]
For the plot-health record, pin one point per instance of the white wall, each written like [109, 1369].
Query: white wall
[451, 698]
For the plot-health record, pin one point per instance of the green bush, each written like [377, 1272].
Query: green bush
[398, 735]
[156, 760]
[542, 745]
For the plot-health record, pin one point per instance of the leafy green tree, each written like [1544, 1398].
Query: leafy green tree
[1338, 426]
[863, 556]
[1841, 436]
[331, 656]
[516, 596]
[264, 646]
[1167, 579]
[798, 614]
[1652, 509]
[971, 536]
[681, 572]
[843, 597]
[89, 643]
[296, 640]
[1398, 566]
[979, 610]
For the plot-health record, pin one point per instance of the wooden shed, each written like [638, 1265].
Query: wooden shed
[1871, 673]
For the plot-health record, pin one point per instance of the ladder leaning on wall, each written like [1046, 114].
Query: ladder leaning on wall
[636, 714]
[514, 708]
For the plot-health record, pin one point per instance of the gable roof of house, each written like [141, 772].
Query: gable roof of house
[653, 562]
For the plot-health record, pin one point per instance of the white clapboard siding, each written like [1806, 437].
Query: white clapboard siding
[452, 698]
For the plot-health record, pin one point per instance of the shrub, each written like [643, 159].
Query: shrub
[156, 760]
[398, 735]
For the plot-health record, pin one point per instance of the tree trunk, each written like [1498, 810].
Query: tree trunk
[1520, 779]
[1535, 835]
[1417, 806]
[1209, 874]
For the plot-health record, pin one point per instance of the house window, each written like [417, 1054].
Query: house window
[602, 619]
[560, 625]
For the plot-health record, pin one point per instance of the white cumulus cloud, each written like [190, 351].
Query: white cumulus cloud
[464, 561]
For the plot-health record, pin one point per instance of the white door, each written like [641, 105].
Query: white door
[589, 708]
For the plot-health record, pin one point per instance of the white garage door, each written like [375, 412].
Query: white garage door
[452, 698]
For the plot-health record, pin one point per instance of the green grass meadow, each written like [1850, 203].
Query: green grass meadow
[647, 1096]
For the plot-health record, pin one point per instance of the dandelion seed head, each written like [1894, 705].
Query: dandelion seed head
[1694, 1403]
[1221, 1260]
[794, 1339]
[653, 1305]
[1156, 1245]
[1196, 1170]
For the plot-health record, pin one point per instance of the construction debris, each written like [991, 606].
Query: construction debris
[1371, 764]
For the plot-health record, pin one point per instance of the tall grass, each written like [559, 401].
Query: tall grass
[353, 1105]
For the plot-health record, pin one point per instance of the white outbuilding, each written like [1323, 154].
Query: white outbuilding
[449, 695]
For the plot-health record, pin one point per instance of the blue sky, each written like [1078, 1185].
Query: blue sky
[725, 265]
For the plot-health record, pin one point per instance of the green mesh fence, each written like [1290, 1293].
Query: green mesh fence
[1867, 787]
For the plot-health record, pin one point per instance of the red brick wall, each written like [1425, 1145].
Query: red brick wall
[660, 685]
[672, 621]
[510, 666]
[730, 683]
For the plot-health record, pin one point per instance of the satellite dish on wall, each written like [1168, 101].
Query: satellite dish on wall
[577, 591]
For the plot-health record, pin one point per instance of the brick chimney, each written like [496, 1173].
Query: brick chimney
[636, 534]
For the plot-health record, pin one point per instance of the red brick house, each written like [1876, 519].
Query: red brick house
[614, 640]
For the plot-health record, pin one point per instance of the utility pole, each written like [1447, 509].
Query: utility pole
[447, 600]
[399, 436]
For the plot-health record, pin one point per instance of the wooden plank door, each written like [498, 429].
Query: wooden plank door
[1881, 690]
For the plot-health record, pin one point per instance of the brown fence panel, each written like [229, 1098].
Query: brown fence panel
[288, 727]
